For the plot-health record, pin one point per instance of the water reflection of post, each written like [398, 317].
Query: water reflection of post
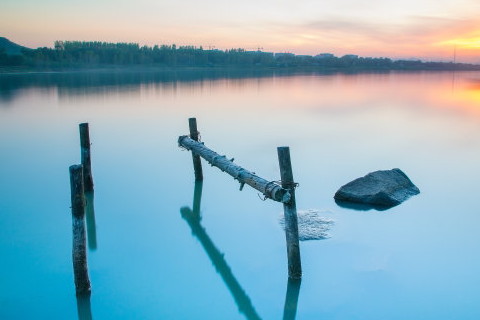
[84, 309]
[90, 218]
[193, 219]
[291, 299]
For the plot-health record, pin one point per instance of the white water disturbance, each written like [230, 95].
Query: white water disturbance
[311, 226]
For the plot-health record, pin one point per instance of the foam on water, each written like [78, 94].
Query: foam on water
[311, 226]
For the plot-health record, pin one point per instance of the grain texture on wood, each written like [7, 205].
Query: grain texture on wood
[79, 248]
[290, 212]
[197, 162]
[86, 157]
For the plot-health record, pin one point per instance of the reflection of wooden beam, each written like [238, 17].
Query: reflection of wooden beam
[193, 219]
[291, 299]
[242, 300]
[270, 189]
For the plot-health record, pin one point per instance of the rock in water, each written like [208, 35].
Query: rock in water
[385, 188]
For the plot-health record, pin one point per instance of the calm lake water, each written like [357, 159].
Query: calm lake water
[418, 260]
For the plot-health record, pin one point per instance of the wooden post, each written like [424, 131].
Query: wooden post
[79, 251]
[86, 160]
[290, 212]
[197, 163]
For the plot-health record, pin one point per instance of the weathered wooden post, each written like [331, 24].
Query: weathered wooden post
[197, 163]
[79, 251]
[85, 153]
[290, 212]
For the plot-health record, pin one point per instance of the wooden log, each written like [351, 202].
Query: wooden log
[269, 189]
[197, 162]
[79, 250]
[85, 154]
[290, 212]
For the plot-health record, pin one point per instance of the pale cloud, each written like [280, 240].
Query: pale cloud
[416, 37]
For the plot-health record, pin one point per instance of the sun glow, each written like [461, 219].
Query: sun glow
[467, 43]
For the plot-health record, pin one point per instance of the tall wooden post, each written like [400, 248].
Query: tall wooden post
[290, 212]
[79, 250]
[86, 160]
[197, 163]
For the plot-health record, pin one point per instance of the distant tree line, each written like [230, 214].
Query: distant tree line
[79, 54]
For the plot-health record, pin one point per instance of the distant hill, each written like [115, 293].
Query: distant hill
[10, 47]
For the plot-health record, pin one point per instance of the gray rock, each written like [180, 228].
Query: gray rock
[384, 188]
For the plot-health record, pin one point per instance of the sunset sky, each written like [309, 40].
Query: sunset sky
[426, 29]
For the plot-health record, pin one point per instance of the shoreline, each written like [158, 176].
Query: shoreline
[262, 69]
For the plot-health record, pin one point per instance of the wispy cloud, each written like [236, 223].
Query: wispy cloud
[417, 36]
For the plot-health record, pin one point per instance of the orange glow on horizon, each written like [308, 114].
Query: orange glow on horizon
[467, 43]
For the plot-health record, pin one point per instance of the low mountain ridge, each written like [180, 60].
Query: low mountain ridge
[10, 47]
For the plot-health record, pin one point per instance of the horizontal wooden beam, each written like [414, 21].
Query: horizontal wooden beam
[269, 189]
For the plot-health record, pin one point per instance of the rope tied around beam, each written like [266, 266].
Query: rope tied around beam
[288, 185]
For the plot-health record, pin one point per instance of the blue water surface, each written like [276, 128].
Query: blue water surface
[415, 261]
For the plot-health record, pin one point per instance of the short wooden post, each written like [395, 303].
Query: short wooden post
[197, 163]
[85, 153]
[79, 251]
[290, 212]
